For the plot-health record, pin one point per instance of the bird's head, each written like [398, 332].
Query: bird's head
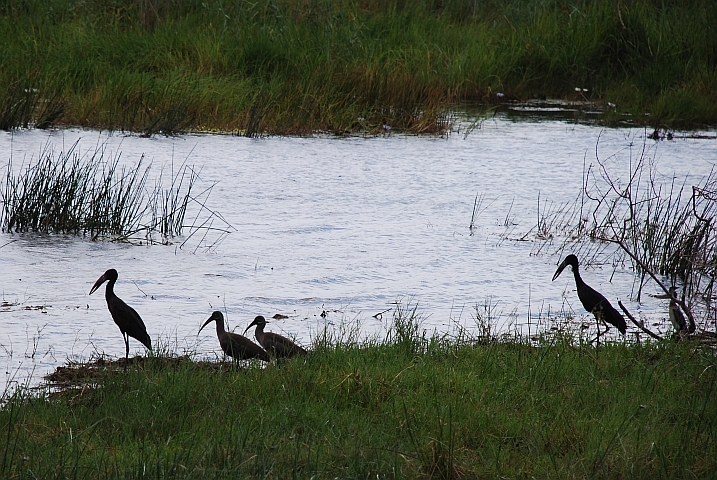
[110, 275]
[571, 260]
[671, 293]
[216, 317]
[259, 321]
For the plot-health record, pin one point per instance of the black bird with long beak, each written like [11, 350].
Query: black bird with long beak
[126, 318]
[591, 299]
[236, 346]
[277, 345]
[676, 316]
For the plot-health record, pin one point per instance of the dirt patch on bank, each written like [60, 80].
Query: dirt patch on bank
[79, 377]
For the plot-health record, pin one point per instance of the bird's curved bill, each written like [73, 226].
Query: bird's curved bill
[97, 284]
[210, 320]
[250, 325]
[560, 269]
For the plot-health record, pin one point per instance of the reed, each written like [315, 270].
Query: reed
[301, 66]
[94, 194]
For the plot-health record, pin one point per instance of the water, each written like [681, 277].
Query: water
[340, 226]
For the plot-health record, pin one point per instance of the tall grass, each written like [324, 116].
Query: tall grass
[93, 194]
[69, 193]
[377, 409]
[299, 66]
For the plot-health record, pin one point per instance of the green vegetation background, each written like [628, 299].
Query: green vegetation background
[297, 66]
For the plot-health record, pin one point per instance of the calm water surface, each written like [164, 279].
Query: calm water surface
[344, 227]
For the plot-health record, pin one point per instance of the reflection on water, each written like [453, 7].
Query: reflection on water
[328, 230]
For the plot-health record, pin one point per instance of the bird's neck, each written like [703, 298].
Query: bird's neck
[220, 327]
[109, 289]
[578, 279]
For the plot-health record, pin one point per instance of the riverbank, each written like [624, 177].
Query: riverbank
[407, 408]
[297, 67]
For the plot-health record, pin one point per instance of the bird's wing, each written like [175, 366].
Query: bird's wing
[240, 347]
[679, 318]
[129, 321]
[603, 310]
[282, 346]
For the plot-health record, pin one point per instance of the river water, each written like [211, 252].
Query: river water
[328, 232]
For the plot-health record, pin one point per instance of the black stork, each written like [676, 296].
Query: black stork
[277, 345]
[676, 316]
[236, 346]
[126, 318]
[591, 299]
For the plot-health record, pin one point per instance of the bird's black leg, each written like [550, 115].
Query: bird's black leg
[597, 338]
[607, 329]
[126, 350]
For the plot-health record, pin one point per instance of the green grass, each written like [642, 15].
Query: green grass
[401, 409]
[298, 66]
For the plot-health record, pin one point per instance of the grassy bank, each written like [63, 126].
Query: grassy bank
[296, 66]
[445, 410]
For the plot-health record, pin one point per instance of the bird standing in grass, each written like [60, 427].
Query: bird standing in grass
[591, 299]
[126, 318]
[236, 346]
[277, 345]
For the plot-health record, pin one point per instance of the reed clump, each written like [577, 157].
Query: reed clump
[453, 408]
[94, 194]
[301, 66]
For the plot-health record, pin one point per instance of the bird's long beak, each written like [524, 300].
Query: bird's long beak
[210, 320]
[250, 325]
[560, 269]
[97, 284]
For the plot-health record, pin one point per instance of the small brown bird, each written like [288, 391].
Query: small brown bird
[676, 316]
[277, 345]
[126, 318]
[236, 346]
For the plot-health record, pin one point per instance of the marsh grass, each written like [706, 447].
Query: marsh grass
[95, 194]
[378, 409]
[24, 106]
[17, 108]
[169, 205]
[302, 66]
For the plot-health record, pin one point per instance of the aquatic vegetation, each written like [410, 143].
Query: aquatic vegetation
[93, 194]
[301, 66]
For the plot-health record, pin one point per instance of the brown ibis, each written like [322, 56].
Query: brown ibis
[236, 346]
[676, 316]
[126, 318]
[591, 299]
[277, 345]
